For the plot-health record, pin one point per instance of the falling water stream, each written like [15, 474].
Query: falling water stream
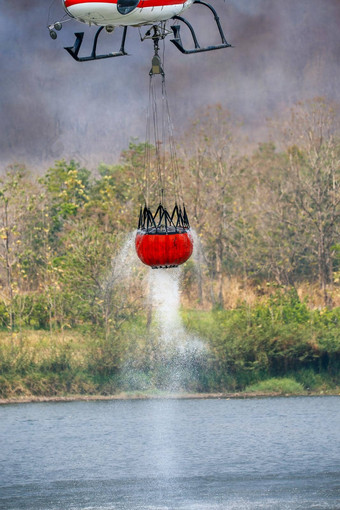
[175, 350]
[164, 295]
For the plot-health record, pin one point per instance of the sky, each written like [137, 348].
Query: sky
[53, 107]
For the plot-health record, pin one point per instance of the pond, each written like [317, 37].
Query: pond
[211, 454]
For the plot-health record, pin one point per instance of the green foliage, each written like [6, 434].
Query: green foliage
[4, 315]
[31, 310]
[282, 386]
[67, 186]
[269, 340]
[312, 381]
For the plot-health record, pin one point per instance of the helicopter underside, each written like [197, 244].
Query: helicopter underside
[104, 13]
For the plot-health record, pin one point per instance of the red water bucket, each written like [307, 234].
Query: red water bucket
[164, 250]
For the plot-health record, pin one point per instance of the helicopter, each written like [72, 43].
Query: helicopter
[153, 14]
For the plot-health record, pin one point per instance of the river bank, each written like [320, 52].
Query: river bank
[278, 348]
[166, 396]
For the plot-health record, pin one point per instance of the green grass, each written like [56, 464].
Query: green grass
[283, 386]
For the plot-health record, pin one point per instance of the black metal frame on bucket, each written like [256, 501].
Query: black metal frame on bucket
[162, 222]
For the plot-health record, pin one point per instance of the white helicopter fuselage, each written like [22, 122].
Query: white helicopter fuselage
[124, 13]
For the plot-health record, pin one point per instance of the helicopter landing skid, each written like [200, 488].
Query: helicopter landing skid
[198, 49]
[74, 50]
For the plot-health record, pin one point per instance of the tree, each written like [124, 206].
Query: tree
[212, 172]
[313, 146]
[272, 240]
[92, 285]
[67, 186]
[15, 190]
[117, 194]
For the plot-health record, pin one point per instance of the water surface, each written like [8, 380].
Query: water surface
[275, 453]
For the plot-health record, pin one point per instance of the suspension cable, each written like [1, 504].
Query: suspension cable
[160, 127]
[172, 147]
[147, 154]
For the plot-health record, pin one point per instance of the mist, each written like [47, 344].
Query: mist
[53, 107]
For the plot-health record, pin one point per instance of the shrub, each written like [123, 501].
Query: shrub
[282, 386]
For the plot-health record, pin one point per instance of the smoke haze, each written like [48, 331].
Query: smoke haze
[53, 107]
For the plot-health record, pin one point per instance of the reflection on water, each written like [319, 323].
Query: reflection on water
[279, 453]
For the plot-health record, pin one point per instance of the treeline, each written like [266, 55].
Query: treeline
[271, 216]
[274, 214]
[268, 218]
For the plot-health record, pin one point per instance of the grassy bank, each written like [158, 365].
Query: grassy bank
[276, 347]
[241, 395]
